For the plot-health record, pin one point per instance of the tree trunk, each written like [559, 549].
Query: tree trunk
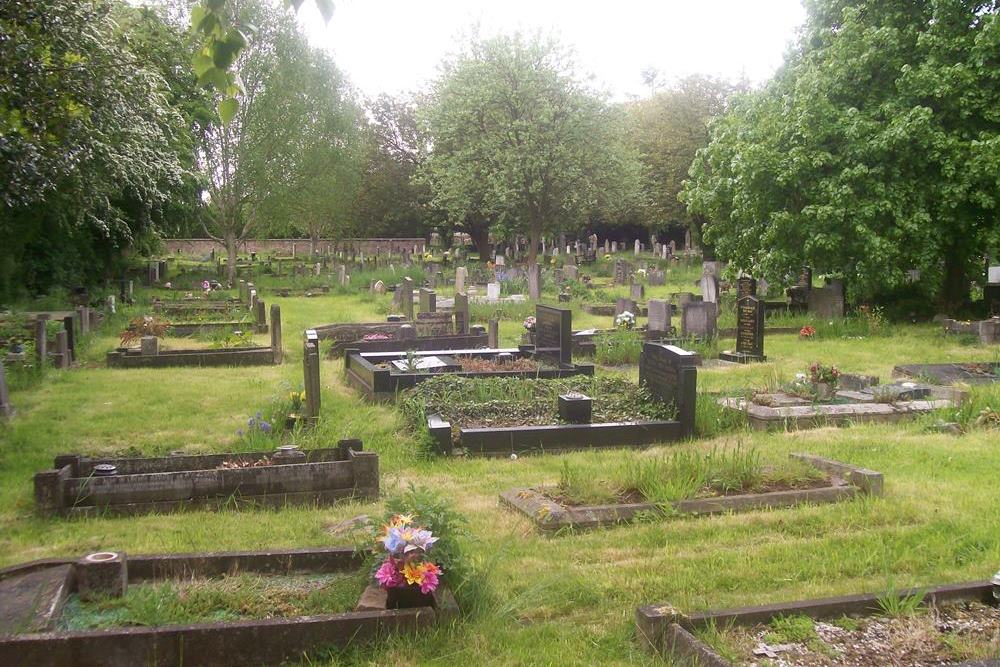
[955, 288]
[535, 274]
[230, 259]
[480, 234]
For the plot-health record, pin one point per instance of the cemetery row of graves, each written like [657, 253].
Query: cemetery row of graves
[381, 452]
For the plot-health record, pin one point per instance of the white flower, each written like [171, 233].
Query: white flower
[513, 457]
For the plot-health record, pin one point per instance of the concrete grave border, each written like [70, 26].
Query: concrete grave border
[171, 483]
[848, 481]
[222, 644]
[663, 629]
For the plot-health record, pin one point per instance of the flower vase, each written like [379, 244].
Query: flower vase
[407, 597]
[824, 390]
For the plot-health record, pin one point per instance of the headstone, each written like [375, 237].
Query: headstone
[688, 245]
[493, 334]
[621, 272]
[84, 313]
[461, 312]
[378, 288]
[461, 273]
[276, 349]
[684, 298]
[428, 300]
[749, 331]
[746, 286]
[614, 247]
[637, 291]
[570, 272]
[310, 374]
[670, 375]
[805, 280]
[656, 278]
[112, 309]
[342, 275]
[709, 288]
[993, 275]
[698, 318]
[553, 334]
[6, 409]
[623, 305]
[41, 342]
[317, 268]
[659, 316]
[149, 346]
[493, 291]
[826, 302]
[664, 249]
[406, 297]
[638, 246]
[607, 246]
[501, 260]
[534, 282]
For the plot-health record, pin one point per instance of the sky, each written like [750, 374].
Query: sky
[395, 46]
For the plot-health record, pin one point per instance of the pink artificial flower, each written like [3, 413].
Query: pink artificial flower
[388, 575]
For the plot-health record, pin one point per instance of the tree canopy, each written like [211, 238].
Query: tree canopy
[875, 150]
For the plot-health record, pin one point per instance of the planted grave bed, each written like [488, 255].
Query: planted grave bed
[955, 625]
[287, 476]
[810, 401]
[688, 483]
[212, 609]
[149, 354]
[382, 375]
[514, 415]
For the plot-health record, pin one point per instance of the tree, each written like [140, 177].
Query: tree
[875, 150]
[251, 161]
[667, 129]
[91, 148]
[392, 201]
[519, 143]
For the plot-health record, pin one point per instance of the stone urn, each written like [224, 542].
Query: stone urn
[825, 391]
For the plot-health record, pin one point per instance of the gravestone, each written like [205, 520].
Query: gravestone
[622, 271]
[6, 409]
[749, 331]
[553, 334]
[310, 374]
[149, 346]
[670, 375]
[746, 286]
[428, 300]
[493, 334]
[637, 292]
[638, 247]
[276, 349]
[406, 297]
[434, 324]
[607, 246]
[62, 348]
[342, 275]
[698, 319]
[571, 272]
[41, 341]
[826, 302]
[614, 247]
[684, 298]
[656, 278]
[534, 282]
[378, 287]
[461, 273]
[659, 318]
[709, 288]
[461, 312]
[492, 291]
[626, 305]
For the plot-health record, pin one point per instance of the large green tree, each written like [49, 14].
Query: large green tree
[519, 142]
[92, 150]
[875, 150]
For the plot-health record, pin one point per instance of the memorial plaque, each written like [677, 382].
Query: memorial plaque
[553, 334]
[750, 326]
[746, 286]
[670, 375]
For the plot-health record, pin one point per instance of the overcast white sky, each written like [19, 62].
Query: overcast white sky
[395, 46]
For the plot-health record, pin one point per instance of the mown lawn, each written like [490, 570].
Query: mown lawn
[563, 600]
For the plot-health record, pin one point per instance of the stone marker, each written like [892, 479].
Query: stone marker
[746, 286]
[276, 350]
[493, 291]
[493, 334]
[670, 374]
[571, 272]
[461, 273]
[749, 331]
[826, 302]
[378, 288]
[461, 312]
[638, 247]
[637, 292]
[406, 297]
[62, 348]
[553, 334]
[149, 346]
[659, 317]
[698, 318]
[41, 341]
[310, 373]
[428, 300]
[6, 409]
[709, 288]
[622, 305]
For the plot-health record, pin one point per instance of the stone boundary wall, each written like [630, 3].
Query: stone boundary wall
[288, 247]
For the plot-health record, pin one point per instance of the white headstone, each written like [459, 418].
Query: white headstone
[993, 275]
[638, 246]
[460, 275]
[493, 291]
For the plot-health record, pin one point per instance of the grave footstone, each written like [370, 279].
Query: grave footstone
[670, 375]
[749, 331]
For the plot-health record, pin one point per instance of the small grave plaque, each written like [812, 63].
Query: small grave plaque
[553, 334]
[421, 364]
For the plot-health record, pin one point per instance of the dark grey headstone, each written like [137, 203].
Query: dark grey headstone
[750, 326]
[670, 375]
[553, 334]
[746, 286]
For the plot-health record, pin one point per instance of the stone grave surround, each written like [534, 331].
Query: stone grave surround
[670, 375]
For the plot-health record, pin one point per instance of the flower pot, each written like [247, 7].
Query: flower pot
[407, 597]
[824, 390]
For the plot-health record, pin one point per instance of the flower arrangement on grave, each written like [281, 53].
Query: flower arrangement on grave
[820, 374]
[807, 331]
[407, 564]
[607, 257]
[428, 256]
[206, 286]
[529, 323]
[640, 273]
[625, 320]
[147, 325]
[297, 398]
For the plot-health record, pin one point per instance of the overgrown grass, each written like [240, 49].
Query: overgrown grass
[618, 347]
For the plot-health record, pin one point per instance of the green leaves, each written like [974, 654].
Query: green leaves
[227, 109]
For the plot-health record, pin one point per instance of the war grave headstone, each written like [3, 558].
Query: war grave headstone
[749, 332]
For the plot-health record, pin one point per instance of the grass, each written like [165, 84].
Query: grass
[541, 601]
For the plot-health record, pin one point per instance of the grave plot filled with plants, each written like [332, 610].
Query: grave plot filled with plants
[503, 402]
[228, 598]
[904, 633]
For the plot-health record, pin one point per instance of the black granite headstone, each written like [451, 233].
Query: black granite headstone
[553, 334]
[670, 375]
